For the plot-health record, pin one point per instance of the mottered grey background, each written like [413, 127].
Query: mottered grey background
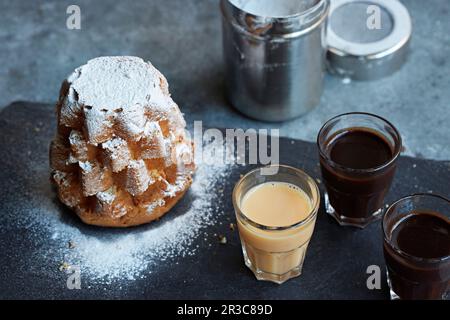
[183, 40]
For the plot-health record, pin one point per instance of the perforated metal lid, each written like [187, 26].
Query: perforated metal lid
[367, 39]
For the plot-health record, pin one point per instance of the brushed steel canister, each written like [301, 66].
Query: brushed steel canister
[275, 58]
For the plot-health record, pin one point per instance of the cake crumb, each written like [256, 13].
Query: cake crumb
[64, 266]
[222, 239]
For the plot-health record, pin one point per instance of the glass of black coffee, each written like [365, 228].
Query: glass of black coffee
[417, 247]
[358, 154]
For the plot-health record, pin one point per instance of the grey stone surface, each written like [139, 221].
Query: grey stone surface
[183, 39]
[335, 265]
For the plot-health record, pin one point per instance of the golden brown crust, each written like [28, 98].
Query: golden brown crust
[136, 216]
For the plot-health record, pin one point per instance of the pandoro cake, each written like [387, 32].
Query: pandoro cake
[121, 156]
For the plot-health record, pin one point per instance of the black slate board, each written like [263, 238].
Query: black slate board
[336, 261]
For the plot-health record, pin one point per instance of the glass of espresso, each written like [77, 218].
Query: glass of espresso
[417, 247]
[358, 154]
[276, 215]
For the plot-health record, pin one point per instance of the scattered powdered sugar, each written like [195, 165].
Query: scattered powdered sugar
[127, 254]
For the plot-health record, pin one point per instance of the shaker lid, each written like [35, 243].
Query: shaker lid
[367, 39]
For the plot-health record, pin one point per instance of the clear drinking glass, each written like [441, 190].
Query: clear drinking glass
[275, 253]
[354, 197]
[411, 277]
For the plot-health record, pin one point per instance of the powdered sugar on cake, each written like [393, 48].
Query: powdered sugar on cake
[107, 196]
[124, 132]
[122, 157]
[111, 83]
[121, 90]
[152, 206]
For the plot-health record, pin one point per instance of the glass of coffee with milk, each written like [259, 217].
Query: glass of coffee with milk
[276, 213]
